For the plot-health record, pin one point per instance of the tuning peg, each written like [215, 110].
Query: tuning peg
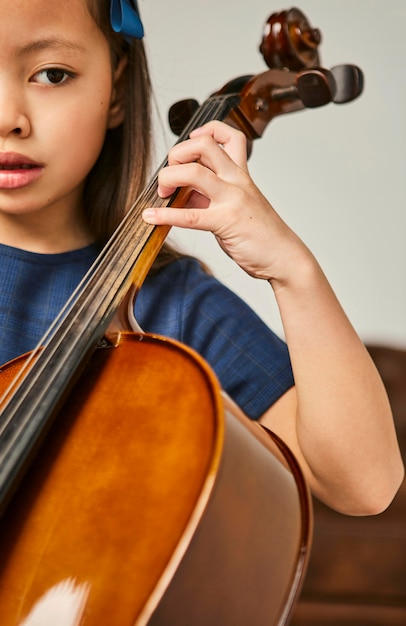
[314, 87]
[349, 81]
[181, 113]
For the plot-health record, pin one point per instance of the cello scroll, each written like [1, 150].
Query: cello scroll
[295, 80]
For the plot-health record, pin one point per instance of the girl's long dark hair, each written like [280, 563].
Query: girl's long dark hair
[123, 166]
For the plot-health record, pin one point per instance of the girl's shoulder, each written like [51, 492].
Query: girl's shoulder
[168, 298]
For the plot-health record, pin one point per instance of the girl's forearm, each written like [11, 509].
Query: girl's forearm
[344, 422]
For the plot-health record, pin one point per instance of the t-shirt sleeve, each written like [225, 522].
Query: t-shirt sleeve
[188, 304]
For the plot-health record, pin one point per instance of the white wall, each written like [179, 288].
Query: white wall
[335, 174]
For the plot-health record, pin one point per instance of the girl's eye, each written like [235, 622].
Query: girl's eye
[52, 76]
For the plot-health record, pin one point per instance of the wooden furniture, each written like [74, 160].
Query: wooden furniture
[357, 569]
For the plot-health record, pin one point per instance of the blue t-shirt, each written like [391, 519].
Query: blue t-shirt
[182, 301]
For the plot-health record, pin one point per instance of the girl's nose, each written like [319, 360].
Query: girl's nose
[13, 119]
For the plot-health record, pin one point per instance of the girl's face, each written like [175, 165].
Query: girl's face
[56, 102]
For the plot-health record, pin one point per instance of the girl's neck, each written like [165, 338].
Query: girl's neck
[34, 234]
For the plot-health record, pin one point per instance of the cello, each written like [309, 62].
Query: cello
[163, 505]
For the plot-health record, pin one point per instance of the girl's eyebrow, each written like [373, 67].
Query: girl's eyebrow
[56, 43]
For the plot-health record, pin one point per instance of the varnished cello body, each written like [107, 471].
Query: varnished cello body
[132, 491]
[166, 512]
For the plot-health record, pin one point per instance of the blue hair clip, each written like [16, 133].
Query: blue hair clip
[125, 18]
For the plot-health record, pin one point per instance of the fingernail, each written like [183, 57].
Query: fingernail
[148, 214]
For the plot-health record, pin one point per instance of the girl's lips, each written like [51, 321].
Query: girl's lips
[18, 178]
[8, 159]
[17, 170]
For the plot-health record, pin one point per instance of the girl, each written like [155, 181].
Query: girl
[75, 141]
